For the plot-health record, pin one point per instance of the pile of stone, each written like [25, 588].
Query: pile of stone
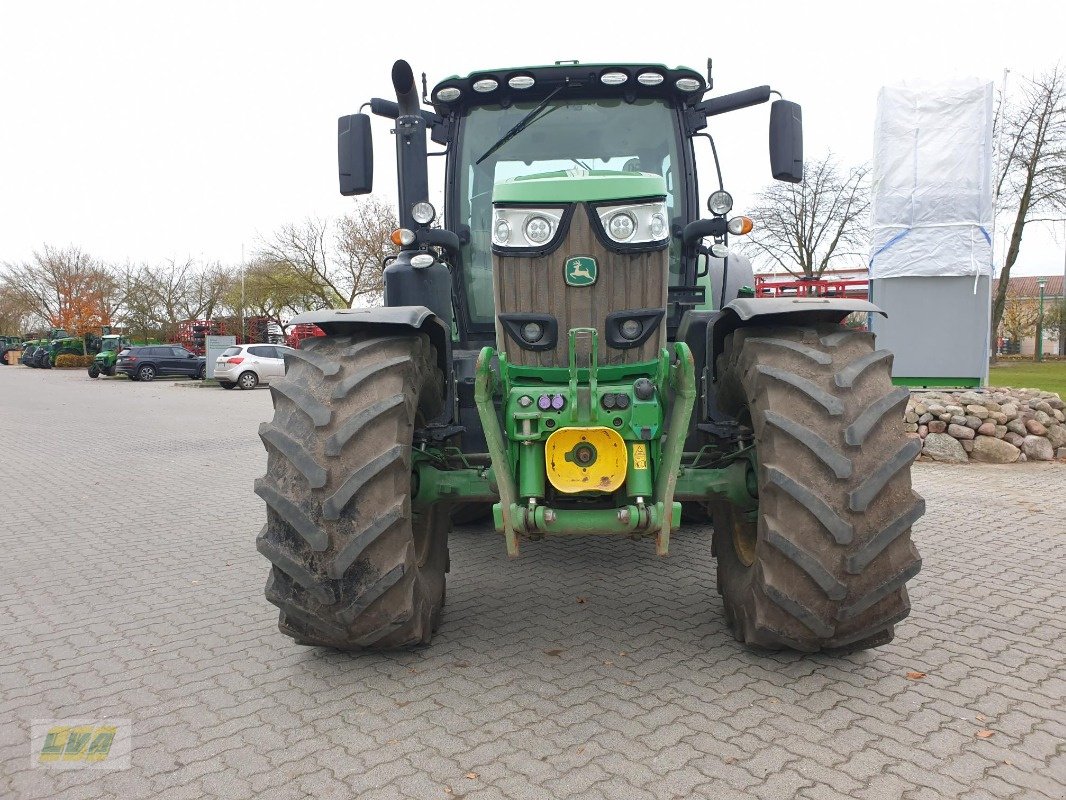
[998, 426]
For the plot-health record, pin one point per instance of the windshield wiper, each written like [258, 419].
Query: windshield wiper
[523, 123]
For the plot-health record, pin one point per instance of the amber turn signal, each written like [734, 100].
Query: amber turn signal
[401, 237]
[738, 226]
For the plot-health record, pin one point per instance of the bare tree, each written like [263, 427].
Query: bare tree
[65, 288]
[271, 289]
[15, 313]
[338, 262]
[1032, 177]
[805, 227]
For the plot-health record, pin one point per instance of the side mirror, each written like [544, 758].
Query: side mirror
[786, 141]
[355, 154]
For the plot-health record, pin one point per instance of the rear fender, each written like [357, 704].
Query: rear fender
[771, 311]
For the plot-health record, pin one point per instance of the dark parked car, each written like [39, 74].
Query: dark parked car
[147, 363]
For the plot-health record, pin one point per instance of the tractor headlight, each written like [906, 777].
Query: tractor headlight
[640, 223]
[423, 212]
[657, 226]
[538, 229]
[621, 226]
[720, 203]
[631, 328]
[532, 332]
[525, 228]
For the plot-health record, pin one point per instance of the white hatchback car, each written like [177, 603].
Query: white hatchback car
[248, 365]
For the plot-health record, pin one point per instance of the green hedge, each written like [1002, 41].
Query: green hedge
[71, 361]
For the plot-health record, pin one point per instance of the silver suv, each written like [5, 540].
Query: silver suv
[248, 365]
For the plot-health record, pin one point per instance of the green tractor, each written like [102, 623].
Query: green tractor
[29, 349]
[104, 362]
[7, 344]
[43, 353]
[567, 347]
[62, 345]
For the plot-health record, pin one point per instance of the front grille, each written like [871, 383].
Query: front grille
[624, 282]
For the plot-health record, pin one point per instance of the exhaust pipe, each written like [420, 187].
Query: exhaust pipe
[403, 81]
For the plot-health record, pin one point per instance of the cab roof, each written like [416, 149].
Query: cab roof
[508, 85]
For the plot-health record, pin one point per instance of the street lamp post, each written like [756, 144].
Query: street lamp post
[1041, 282]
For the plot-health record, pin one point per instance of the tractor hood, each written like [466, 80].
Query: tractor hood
[579, 186]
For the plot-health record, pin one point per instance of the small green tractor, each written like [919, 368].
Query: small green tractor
[569, 346]
[104, 362]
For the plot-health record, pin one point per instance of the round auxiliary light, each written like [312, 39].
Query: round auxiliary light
[525, 401]
[621, 226]
[657, 226]
[687, 84]
[738, 226]
[613, 78]
[558, 402]
[423, 212]
[401, 237]
[449, 94]
[544, 402]
[521, 82]
[422, 260]
[501, 231]
[720, 203]
[719, 251]
[631, 329]
[650, 78]
[486, 85]
[538, 229]
[532, 331]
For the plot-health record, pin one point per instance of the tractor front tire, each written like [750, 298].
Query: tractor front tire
[825, 564]
[354, 567]
[94, 370]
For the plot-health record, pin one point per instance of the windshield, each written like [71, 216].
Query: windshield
[109, 344]
[586, 134]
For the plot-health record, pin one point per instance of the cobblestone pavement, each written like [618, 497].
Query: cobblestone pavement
[131, 589]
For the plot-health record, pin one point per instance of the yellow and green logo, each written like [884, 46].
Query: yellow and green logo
[82, 743]
[580, 271]
[87, 743]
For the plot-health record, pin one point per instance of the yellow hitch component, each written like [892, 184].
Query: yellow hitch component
[586, 459]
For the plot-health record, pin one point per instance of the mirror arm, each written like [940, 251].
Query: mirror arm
[725, 103]
[439, 237]
[699, 228]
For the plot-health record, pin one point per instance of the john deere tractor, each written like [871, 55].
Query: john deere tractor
[105, 360]
[567, 347]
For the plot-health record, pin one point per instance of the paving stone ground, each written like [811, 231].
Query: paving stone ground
[130, 588]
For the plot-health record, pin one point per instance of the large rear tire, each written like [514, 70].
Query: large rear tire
[825, 565]
[353, 567]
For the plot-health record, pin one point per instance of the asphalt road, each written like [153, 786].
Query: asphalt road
[131, 589]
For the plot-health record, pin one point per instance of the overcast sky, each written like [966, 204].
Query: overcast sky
[150, 130]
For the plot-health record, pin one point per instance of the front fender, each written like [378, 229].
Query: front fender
[387, 319]
[770, 311]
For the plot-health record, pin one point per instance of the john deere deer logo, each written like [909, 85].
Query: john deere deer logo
[580, 271]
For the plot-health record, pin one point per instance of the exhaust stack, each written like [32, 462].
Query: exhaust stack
[412, 175]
